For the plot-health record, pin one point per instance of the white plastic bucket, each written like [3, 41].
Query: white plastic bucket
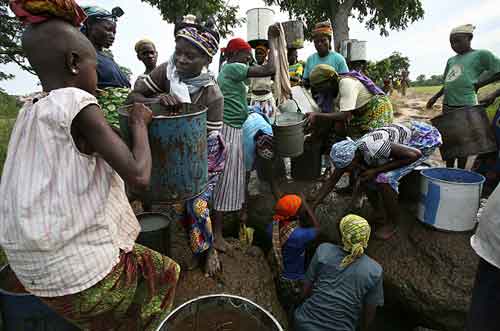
[354, 50]
[450, 198]
[258, 22]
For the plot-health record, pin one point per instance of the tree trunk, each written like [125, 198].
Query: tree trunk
[340, 22]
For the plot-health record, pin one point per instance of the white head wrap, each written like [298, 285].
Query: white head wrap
[467, 28]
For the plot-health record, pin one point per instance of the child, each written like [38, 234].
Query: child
[67, 228]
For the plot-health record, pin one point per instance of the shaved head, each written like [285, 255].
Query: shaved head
[56, 50]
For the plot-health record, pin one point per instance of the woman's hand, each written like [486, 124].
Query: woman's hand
[489, 99]
[431, 102]
[273, 31]
[312, 119]
[369, 175]
[140, 113]
[169, 100]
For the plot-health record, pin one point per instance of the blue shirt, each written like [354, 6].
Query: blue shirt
[109, 73]
[333, 59]
[294, 251]
[339, 294]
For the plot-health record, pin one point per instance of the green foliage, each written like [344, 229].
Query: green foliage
[434, 80]
[10, 44]
[8, 113]
[384, 14]
[225, 14]
[388, 68]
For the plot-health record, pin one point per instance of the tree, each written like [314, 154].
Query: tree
[10, 43]
[388, 68]
[421, 78]
[384, 14]
[224, 14]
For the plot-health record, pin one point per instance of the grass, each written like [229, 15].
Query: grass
[431, 90]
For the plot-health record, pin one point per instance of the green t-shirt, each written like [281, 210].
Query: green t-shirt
[462, 72]
[231, 81]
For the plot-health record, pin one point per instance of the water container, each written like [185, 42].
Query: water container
[294, 34]
[25, 312]
[465, 131]
[304, 100]
[258, 22]
[450, 198]
[220, 312]
[354, 50]
[288, 134]
[155, 232]
[178, 140]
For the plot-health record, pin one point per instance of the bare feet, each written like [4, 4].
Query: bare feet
[221, 244]
[386, 232]
[212, 263]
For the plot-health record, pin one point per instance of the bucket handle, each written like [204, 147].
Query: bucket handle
[298, 110]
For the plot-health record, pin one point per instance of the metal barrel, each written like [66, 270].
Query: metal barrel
[465, 131]
[178, 141]
[288, 134]
[220, 312]
[155, 232]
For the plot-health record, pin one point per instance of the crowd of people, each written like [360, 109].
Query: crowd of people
[68, 230]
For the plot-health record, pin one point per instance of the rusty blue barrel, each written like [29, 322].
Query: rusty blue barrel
[178, 141]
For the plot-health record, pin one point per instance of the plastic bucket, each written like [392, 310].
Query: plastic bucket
[25, 312]
[288, 134]
[466, 131]
[354, 50]
[155, 232]
[178, 141]
[294, 34]
[220, 312]
[450, 198]
[258, 22]
[304, 100]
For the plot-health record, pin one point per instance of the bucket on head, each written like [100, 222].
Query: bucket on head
[450, 198]
[288, 134]
[308, 165]
[155, 232]
[178, 141]
[294, 34]
[354, 50]
[465, 131]
[258, 22]
[220, 312]
[26, 312]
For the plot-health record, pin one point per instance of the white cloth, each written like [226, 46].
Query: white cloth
[352, 94]
[486, 241]
[466, 28]
[64, 214]
[282, 86]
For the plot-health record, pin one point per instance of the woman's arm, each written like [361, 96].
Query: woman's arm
[265, 70]
[401, 156]
[435, 98]
[327, 187]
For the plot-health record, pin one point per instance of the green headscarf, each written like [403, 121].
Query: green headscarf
[322, 75]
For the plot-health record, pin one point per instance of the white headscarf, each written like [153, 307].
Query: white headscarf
[467, 28]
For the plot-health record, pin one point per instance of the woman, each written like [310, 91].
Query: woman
[384, 156]
[290, 239]
[295, 67]
[186, 78]
[147, 54]
[229, 195]
[112, 82]
[362, 106]
[261, 88]
[462, 76]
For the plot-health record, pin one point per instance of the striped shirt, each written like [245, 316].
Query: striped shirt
[65, 216]
[376, 145]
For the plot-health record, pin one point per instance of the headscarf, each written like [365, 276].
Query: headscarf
[236, 45]
[262, 47]
[38, 11]
[200, 38]
[355, 232]
[287, 207]
[343, 153]
[467, 28]
[95, 14]
[323, 29]
[141, 43]
[322, 75]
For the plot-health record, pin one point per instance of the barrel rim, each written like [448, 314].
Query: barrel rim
[204, 109]
[187, 303]
[258, 8]
[465, 108]
[423, 173]
[301, 122]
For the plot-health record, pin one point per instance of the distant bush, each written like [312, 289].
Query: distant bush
[8, 106]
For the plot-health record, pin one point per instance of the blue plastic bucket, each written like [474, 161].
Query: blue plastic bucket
[178, 141]
[25, 312]
[450, 198]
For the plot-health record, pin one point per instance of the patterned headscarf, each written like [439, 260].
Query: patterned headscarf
[38, 11]
[262, 47]
[99, 13]
[287, 207]
[141, 43]
[355, 232]
[467, 29]
[343, 152]
[322, 75]
[203, 39]
[323, 29]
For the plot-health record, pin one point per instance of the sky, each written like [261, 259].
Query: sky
[425, 42]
